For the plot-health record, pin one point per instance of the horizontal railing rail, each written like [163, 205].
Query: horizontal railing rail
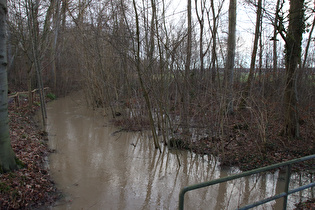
[284, 194]
[15, 97]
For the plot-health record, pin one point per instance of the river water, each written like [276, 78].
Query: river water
[98, 168]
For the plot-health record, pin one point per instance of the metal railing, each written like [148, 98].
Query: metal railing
[284, 194]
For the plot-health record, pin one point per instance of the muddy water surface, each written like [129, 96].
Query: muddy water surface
[99, 168]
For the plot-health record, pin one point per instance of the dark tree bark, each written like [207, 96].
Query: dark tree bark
[7, 156]
[293, 54]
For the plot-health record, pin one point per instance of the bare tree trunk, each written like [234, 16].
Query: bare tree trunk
[254, 53]
[274, 38]
[29, 87]
[308, 43]
[200, 18]
[152, 31]
[214, 32]
[214, 44]
[260, 56]
[186, 83]
[7, 156]
[229, 68]
[56, 23]
[293, 54]
[138, 67]
[64, 8]
[34, 31]
[214, 51]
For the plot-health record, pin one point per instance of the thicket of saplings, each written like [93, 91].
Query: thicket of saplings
[261, 118]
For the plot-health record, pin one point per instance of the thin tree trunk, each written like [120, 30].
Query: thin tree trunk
[152, 31]
[230, 57]
[7, 156]
[274, 38]
[254, 53]
[34, 30]
[29, 87]
[55, 43]
[138, 67]
[187, 71]
[214, 32]
[200, 18]
[261, 50]
[214, 43]
[308, 43]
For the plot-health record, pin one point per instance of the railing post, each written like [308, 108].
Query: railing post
[181, 199]
[286, 187]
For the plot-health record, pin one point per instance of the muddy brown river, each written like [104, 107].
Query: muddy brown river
[98, 168]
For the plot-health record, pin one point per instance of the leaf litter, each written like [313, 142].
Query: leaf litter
[31, 186]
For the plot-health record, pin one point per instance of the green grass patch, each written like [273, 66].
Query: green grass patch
[51, 96]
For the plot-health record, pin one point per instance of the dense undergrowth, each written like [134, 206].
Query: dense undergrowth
[249, 138]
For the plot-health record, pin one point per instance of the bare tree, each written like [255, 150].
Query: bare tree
[144, 90]
[293, 41]
[186, 82]
[33, 24]
[214, 32]
[309, 41]
[274, 39]
[254, 52]
[7, 156]
[54, 51]
[229, 68]
[201, 20]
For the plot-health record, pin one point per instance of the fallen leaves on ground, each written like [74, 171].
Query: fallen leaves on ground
[307, 205]
[31, 186]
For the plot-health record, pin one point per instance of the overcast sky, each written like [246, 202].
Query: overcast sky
[246, 21]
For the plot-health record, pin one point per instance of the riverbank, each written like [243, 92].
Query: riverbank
[245, 140]
[30, 187]
[249, 143]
